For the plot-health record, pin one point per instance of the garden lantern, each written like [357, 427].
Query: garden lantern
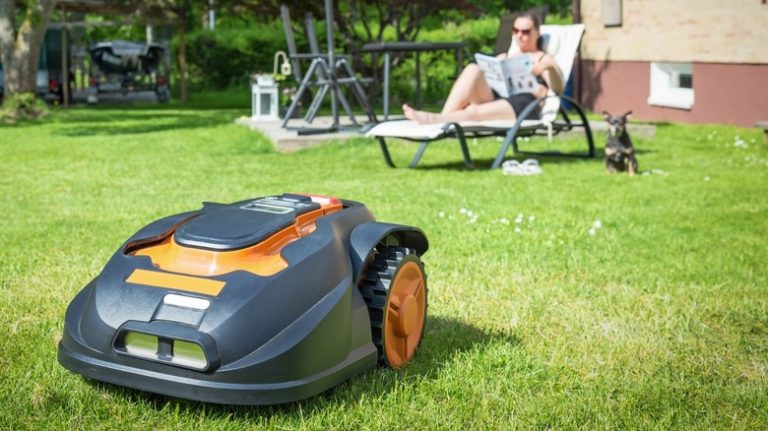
[264, 98]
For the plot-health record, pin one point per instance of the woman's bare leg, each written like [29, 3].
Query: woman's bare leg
[495, 110]
[470, 88]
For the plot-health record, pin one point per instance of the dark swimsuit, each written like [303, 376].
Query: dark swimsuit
[520, 100]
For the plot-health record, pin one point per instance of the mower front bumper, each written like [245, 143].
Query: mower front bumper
[75, 358]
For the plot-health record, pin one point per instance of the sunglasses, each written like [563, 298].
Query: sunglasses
[525, 32]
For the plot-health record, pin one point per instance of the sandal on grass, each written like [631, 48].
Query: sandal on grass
[527, 167]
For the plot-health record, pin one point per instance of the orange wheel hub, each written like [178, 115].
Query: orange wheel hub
[405, 314]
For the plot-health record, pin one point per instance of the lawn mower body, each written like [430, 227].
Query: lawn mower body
[255, 302]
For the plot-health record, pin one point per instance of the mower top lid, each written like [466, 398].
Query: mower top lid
[242, 224]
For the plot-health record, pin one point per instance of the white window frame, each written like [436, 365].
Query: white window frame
[665, 85]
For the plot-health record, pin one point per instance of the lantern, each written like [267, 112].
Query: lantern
[264, 98]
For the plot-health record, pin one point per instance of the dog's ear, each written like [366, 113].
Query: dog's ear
[606, 115]
[627, 114]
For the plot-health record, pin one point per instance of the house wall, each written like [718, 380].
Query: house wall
[709, 31]
[726, 42]
[724, 93]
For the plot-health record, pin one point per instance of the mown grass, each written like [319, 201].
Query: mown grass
[659, 320]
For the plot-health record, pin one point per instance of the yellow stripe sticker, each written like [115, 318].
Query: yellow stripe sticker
[178, 282]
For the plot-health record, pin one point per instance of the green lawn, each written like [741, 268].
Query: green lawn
[658, 319]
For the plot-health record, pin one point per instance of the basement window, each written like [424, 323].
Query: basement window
[672, 85]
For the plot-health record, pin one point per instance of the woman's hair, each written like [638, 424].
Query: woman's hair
[535, 20]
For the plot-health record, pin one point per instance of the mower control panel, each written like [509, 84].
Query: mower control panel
[242, 224]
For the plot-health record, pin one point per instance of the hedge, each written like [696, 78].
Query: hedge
[227, 57]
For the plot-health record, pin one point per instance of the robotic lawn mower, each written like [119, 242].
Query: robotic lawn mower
[263, 301]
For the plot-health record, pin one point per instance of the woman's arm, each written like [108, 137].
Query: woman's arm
[548, 69]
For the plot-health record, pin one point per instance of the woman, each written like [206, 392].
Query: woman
[471, 99]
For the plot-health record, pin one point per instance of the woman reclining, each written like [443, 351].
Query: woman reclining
[471, 99]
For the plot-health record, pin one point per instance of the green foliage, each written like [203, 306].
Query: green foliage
[22, 106]
[496, 6]
[228, 56]
[95, 34]
[659, 320]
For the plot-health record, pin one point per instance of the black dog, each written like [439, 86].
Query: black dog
[619, 152]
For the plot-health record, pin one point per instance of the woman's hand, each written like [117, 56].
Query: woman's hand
[548, 69]
[540, 66]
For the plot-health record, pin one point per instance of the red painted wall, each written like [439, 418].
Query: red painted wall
[723, 93]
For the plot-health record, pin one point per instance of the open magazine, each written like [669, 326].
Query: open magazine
[508, 76]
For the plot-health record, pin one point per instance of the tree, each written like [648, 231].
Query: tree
[358, 22]
[22, 29]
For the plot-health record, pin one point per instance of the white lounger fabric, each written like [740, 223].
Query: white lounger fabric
[559, 41]
[409, 130]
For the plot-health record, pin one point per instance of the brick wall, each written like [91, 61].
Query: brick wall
[725, 93]
[713, 31]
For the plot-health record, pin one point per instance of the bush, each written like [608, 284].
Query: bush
[227, 57]
[22, 106]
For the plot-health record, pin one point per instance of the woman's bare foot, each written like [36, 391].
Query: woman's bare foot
[420, 117]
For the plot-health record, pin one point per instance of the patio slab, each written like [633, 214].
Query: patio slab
[287, 140]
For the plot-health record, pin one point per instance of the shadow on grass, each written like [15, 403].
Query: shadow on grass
[485, 164]
[141, 122]
[481, 164]
[443, 340]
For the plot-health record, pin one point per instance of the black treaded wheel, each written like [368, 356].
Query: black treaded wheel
[395, 290]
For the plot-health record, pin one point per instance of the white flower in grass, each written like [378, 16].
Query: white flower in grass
[531, 218]
[462, 210]
[470, 213]
[441, 214]
[597, 224]
[592, 231]
[504, 221]
[518, 230]
[707, 178]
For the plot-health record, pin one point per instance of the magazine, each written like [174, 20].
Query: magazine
[508, 76]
